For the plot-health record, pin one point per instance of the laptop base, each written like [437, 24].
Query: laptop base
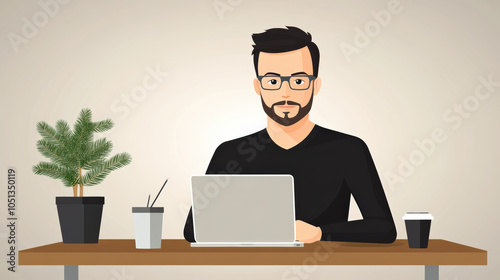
[247, 244]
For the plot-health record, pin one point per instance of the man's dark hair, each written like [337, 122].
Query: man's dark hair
[277, 40]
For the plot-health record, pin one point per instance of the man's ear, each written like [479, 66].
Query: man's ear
[317, 85]
[256, 86]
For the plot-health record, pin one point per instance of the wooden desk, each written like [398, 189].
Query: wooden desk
[179, 252]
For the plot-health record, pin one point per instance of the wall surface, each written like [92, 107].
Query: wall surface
[418, 81]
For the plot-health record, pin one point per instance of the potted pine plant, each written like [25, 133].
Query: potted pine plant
[71, 153]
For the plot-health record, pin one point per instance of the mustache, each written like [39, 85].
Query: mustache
[285, 102]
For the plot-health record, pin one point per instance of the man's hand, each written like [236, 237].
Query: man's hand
[307, 233]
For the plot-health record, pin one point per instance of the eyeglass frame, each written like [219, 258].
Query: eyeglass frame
[287, 79]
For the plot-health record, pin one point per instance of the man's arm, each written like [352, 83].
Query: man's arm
[362, 179]
[188, 227]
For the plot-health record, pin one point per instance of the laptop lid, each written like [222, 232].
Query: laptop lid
[243, 208]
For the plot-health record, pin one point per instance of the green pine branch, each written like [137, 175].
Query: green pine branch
[96, 175]
[63, 133]
[50, 134]
[48, 169]
[96, 153]
[103, 126]
[52, 151]
[83, 131]
[67, 175]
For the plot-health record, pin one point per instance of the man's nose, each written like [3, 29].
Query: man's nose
[286, 91]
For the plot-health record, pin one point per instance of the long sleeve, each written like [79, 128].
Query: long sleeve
[188, 227]
[360, 176]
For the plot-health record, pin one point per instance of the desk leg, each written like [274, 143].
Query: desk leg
[432, 272]
[71, 272]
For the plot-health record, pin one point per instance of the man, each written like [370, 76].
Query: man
[328, 166]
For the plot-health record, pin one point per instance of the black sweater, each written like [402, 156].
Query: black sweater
[327, 167]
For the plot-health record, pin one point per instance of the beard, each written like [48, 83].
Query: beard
[287, 121]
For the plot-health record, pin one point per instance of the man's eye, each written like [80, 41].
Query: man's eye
[273, 81]
[299, 82]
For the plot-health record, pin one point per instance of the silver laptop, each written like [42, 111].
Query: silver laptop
[243, 210]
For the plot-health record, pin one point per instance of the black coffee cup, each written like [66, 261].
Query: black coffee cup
[418, 226]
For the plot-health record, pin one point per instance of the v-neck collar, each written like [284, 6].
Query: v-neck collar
[308, 138]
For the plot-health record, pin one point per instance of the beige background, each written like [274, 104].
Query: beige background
[393, 92]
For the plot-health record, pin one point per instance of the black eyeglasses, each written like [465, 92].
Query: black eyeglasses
[298, 82]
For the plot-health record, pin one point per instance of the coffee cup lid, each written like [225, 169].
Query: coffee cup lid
[418, 216]
[147, 209]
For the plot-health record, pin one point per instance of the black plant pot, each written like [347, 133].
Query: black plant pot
[80, 218]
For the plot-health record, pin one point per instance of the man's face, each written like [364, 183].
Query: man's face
[285, 105]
